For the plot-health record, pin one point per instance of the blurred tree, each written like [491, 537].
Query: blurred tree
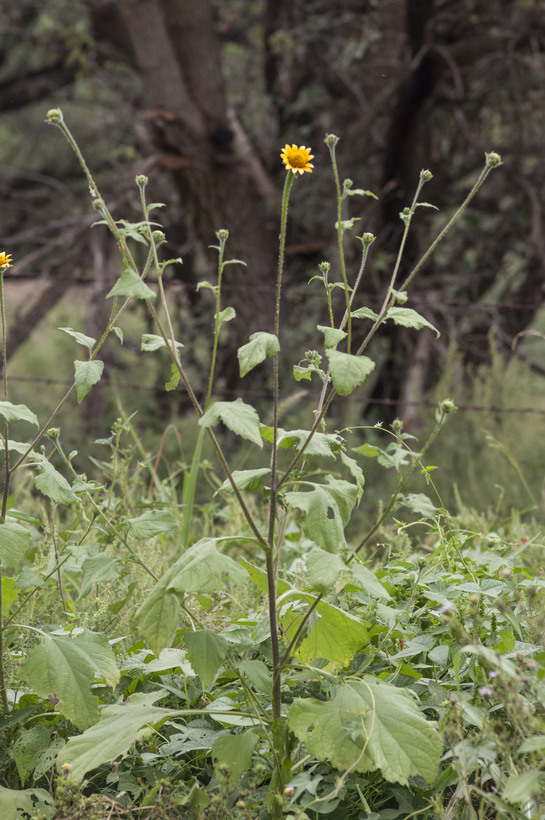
[203, 95]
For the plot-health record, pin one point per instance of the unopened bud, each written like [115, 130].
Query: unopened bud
[493, 160]
[54, 116]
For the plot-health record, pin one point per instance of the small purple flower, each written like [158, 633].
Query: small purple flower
[485, 692]
[446, 609]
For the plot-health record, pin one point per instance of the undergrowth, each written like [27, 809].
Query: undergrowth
[239, 656]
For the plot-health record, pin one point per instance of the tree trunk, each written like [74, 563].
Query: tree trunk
[179, 58]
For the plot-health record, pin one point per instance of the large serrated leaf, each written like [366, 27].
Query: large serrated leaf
[200, 569]
[369, 725]
[65, 667]
[87, 374]
[335, 637]
[14, 540]
[326, 510]
[238, 416]
[158, 617]
[234, 752]
[97, 569]
[119, 727]
[17, 412]
[260, 346]
[204, 569]
[321, 444]
[51, 483]
[348, 371]
[406, 317]
[17, 804]
[206, 651]
[324, 569]
[368, 581]
[151, 523]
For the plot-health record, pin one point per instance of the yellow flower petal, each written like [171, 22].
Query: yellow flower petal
[297, 158]
[5, 260]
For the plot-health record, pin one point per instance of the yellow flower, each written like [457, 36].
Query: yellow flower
[297, 158]
[5, 260]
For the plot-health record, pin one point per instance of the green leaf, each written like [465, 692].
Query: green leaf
[158, 617]
[86, 374]
[364, 313]
[151, 342]
[368, 581]
[119, 727]
[27, 749]
[409, 318]
[151, 523]
[348, 371]
[519, 787]
[321, 444]
[206, 651]
[15, 446]
[238, 416]
[10, 593]
[324, 569]
[420, 504]
[346, 224]
[64, 668]
[369, 725]
[200, 569]
[170, 659]
[257, 674]
[335, 637]
[130, 284]
[226, 315]
[355, 471]
[234, 752]
[81, 338]
[326, 511]
[203, 569]
[97, 569]
[51, 483]
[332, 335]
[17, 412]
[249, 480]
[16, 804]
[367, 450]
[260, 346]
[174, 380]
[14, 541]
[532, 744]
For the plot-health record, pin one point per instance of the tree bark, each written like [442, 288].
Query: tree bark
[178, 53]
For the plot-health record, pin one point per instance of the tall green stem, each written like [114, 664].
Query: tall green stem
[271, 567]
[331, 142]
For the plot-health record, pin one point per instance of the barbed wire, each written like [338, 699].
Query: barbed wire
[295, 289]
[263, 394]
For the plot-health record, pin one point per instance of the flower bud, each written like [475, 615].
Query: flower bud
[493, 160]
[141, 180]
[331, 140]
[54, 116]
[426, 175]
